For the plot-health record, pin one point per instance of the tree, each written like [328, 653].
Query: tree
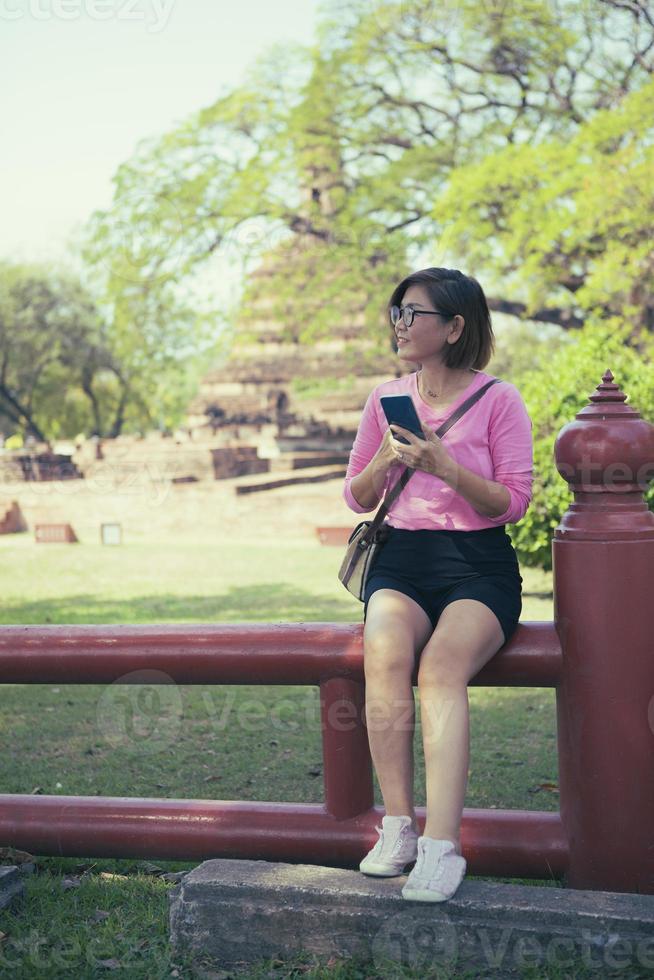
[62, 369]
[332, 158]
[51, 338]
[566, 224]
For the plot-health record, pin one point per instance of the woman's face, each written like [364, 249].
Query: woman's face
[427, 337]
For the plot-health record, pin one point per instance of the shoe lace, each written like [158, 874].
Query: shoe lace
[420, 859]
[383, 842]
[440, 868]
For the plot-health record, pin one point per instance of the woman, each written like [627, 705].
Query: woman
[445, 590]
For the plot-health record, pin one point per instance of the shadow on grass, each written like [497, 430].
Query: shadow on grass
[268, 603]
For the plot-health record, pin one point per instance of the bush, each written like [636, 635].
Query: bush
[554, 391]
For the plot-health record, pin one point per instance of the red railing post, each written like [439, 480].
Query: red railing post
[347, 765]
[603, 560]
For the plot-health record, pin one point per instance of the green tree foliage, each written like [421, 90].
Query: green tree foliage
[342, 163]
[556, 389]
[162, 343]
[52, 347]
[569, 220]
[521, 345]
[64, 371]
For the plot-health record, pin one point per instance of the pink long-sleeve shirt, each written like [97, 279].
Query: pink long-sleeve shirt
[493, 439]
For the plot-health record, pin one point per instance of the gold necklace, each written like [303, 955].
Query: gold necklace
[434, 394]
[428, 391]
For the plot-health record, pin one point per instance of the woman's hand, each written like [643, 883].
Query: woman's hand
[426, 454]
[386, 455]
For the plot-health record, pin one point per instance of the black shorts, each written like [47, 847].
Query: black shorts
[435, 567]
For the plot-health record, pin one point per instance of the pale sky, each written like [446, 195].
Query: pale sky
[85, 80]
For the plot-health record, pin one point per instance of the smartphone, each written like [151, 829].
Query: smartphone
[401, 410]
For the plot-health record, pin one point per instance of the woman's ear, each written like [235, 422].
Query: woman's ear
[459, 324]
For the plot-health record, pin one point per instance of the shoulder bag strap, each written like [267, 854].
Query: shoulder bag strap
[408, 473]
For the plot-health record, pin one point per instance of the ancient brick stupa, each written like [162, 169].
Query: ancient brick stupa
[314, 390]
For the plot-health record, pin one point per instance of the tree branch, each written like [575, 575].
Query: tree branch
[23, 412]
[563, 318]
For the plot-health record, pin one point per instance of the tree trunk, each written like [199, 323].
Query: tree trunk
[120, 411]
[22, 412]
[87, 388]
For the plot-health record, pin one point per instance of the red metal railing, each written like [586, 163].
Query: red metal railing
[596, 653]
[338, 832]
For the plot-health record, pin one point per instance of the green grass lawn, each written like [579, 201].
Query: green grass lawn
[54, 743]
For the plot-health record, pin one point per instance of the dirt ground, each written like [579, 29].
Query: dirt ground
[157, 507]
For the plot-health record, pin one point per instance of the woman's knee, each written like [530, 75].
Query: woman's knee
[396, 629]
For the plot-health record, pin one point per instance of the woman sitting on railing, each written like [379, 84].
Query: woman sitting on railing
[445, 589]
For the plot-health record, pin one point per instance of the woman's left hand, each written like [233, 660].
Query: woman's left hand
[426, 454]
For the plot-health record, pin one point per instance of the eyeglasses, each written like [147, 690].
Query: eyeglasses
[407, 313]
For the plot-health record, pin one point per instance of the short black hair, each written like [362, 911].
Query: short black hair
[453, 292]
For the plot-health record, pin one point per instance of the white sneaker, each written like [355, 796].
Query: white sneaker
[397, 846]
[438, 871]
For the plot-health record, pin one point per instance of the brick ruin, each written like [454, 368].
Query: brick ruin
[307, 395]
[272, 404]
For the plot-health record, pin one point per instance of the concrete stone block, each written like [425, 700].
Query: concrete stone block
[229, 912]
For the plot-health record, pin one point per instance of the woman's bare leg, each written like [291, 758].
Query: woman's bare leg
[396, 628]
[467, 635]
